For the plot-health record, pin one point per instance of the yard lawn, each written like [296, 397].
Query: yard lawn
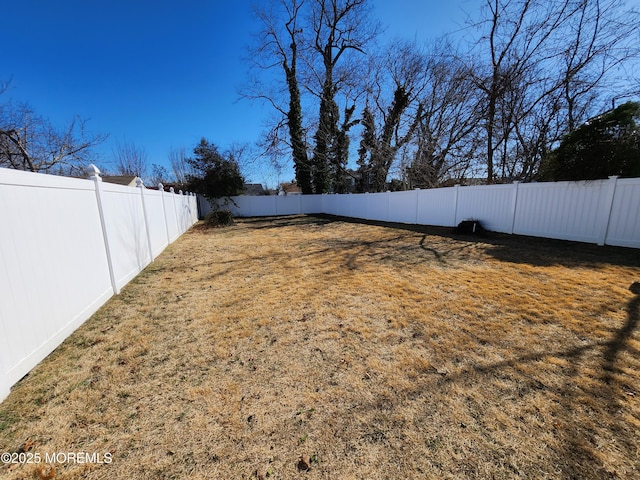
[322, 348]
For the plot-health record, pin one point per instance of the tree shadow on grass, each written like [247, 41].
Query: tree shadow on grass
[601, 399]
[534, 251]
[259, 223]
[581, 456]
[582, 394]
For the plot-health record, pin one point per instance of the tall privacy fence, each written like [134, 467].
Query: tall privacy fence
[599, 211]
[66, 246]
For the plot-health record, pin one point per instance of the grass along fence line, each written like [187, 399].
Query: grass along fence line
[599, 211]
[318, 347]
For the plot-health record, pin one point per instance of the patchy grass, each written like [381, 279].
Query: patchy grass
[321, 348]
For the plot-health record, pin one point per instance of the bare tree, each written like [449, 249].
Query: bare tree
[30, 142]
[539, 70]
[311, 43]
[130, 159]
[514, 35]
[159, 174]
[278, 47]
[389, 124]
[180, 167]
[341, 28]
[445, 143]
[600, 36]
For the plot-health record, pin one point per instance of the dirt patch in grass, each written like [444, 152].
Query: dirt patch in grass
[317, 347]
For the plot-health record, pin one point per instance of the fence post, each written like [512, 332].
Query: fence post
[175, 210]
[140, 185]
[455, 206]
[181, 213]
[388, 219]
[194, 208]
[417, 190]
[164, 211]
[94, 174]
[514, 206]
[604, 216]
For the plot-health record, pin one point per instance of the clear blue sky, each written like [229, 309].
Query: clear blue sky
[160, 73]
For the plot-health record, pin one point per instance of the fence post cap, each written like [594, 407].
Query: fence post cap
[171, 190]
[139, 182]
[93, 172]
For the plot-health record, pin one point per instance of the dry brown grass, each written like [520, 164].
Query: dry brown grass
[372, 352]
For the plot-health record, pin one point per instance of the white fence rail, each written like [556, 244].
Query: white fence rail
[66, 246]
[599, 211]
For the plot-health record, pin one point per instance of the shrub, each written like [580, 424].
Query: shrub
[219, 218]
[470, 227]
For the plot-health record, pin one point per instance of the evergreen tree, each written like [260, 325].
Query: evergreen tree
[214, 175]
[605, 145]
[367, 143]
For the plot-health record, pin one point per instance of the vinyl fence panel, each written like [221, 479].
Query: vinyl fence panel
[331, 204]
[54, 272]
[287, 204]
[378, 206]
[156, 221]
[359, 205]
[600, 211]
[66, 246]
[311, 203]
[170, 215]
[263, 206]
[491, 204]
[403, 207]
[437, 206]
[124, 217]
[563, 210]
[624, 222]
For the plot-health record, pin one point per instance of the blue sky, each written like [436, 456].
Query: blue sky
[160, 73]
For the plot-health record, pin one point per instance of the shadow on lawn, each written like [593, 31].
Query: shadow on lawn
[508, 248]
[579, 396]
[576, 396]
[259, 223]
[602, 399]
[580, 458]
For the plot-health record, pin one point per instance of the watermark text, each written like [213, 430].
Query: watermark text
[56, 457]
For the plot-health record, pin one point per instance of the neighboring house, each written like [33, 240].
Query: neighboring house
[289, 188]
[126, 180]
[254, 189]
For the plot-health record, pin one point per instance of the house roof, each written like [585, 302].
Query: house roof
[254, 189]
[290, 188]
[126, 180]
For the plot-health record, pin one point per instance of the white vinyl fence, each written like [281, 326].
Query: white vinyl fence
[66, 246]
[599, 211]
